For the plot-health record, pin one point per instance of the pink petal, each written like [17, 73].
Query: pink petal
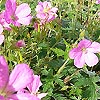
[25, 20]
[20, 77]
[10, 5]
[51, 17]
[6, 25]
[94, 47]
[7, 16]
[97, 1]
[41, 15]
[23, 10]
[1, 29]
[1, 39]
[46, 4]
[54, 9]
[2, 98]
[10, 9]
[4, 73]
[73, 52]
[39, 8]
[36, 83]
[41, 95]
[84, 43]
[91, 59]
[79, 60]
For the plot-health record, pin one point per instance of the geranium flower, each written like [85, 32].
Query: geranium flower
[20, 43]
[20, 77]
[45, 12]
[84, 53]
[97, 1]
[33, 87]
[17, 14]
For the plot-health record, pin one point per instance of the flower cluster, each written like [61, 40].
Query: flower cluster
[21, 84]
[84, 53]
[21, 15]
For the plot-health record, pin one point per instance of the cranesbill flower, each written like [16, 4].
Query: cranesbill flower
[97, 1]
[17, 15]
[20, 43]
[84, 53]
[45, 12]
[20, 77]
[32, 89]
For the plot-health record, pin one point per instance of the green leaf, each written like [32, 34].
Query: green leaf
[59, 97]
[59, 52]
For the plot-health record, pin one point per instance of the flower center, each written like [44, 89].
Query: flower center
[5, 93]
[84, 50]
[13, 17]
[2, 93]
[46, 10]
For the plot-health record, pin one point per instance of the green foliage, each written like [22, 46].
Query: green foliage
[48, 49]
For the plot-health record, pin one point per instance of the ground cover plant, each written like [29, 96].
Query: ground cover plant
[50, 50]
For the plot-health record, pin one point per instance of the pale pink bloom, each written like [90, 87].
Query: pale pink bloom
[84, 53]
[20, 77]
[97, 1]
[20, 43]
[17, 14]
[45, 12]
[33, 88]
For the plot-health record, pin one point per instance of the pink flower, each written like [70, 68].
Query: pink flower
[98, 2]
[33, 88]
[45, 12]
[20, 77]
[84, 53]
[17, 14]
[20, 43]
